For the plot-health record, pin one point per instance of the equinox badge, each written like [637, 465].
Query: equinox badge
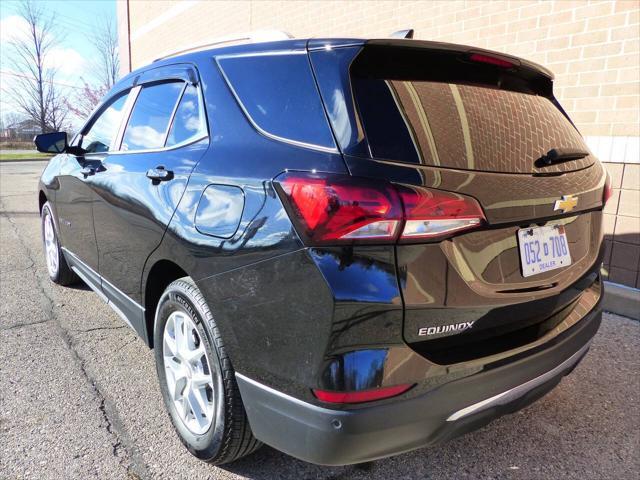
[566, 203]
[456, 327]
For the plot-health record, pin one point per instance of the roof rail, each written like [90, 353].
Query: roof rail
[257, 36]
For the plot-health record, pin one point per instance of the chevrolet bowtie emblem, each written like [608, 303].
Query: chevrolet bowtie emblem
[566, 203]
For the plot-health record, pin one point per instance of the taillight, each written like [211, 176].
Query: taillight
[361, 395]
[338, 209]
[491, 60]
[433, 213]
[608, 191]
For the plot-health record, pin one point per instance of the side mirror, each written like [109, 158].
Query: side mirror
[55, 142]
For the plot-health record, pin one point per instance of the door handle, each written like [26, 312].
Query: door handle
[159, 174]
[88, 171]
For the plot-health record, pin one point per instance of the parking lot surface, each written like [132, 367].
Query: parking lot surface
[79, 397]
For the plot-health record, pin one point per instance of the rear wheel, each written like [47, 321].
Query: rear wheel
[59, 270]
[196, 378]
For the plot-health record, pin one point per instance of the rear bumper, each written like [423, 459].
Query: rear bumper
[339, 437]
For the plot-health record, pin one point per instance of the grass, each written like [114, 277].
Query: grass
[24, 156]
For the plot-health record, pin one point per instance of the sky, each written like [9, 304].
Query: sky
[75, 20]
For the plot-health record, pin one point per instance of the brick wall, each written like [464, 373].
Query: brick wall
[592, 47]
[622, 225]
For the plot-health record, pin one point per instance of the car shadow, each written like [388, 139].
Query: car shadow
[80, 286]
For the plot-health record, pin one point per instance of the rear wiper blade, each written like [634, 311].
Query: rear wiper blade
[559, 155]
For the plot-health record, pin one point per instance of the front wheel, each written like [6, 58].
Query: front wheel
[196, 378]
[59, 270]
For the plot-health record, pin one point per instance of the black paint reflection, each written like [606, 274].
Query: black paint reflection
[359, 370]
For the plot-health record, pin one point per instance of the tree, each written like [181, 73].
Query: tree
[12, 119]
[107, 63]
[106, 67]
[85, 100]
[34, 89]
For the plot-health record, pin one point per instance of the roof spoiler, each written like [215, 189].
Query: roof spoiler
[408, 33]
[461, 49]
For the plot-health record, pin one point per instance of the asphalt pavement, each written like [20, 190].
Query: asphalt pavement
[79, 397]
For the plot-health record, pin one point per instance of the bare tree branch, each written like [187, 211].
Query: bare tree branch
[34, 90]
[107, 63]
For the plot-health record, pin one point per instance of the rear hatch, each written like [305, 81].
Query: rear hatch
[485, 126]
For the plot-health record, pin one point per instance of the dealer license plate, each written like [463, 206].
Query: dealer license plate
[543, 249]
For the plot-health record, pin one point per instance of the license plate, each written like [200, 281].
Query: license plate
[543, 249]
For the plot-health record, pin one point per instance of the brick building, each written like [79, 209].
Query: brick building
[592, 47]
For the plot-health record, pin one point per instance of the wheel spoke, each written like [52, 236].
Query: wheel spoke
[197, 407]
[185, 408]
[181, 336]
[201, 379]
[173, 364]
[193, 355]
[170, 345]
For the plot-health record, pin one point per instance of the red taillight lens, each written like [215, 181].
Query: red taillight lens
[433, 213]
[608, 191]
[362, 395]
[340, 208]
[499, 62]
[337, 209]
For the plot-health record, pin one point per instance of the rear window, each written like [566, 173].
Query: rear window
[279, 95]
[460, 125]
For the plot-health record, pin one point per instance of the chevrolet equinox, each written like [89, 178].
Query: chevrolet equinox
[345, 249]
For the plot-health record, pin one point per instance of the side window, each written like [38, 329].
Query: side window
[149, 121]
[104, 127]
[188, 122]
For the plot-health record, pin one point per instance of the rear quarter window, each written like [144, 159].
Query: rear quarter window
[279, 95]
[149, 121]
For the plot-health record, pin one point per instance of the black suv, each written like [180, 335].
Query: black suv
[345, 249]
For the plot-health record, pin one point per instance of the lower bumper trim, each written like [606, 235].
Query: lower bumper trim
[516, 392]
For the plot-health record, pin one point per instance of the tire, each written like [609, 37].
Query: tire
[57, 267]
[189, 351]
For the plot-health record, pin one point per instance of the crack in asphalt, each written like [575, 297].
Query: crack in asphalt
[25, 324]
[134, 466]
[20, 270]
[95, 329]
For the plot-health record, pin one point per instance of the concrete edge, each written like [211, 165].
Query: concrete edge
[15, 160]
[621, 300]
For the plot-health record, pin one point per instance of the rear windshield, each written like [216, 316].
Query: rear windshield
[461, 126]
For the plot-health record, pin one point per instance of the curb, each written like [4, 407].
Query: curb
[15, 160]
[621, 300]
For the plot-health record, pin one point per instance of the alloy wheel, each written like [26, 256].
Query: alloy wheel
[50, 245]
[188, 373]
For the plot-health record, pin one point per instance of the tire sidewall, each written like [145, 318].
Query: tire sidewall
[177, 298]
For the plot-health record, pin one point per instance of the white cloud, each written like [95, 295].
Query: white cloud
[67, 61]
[12, 28]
